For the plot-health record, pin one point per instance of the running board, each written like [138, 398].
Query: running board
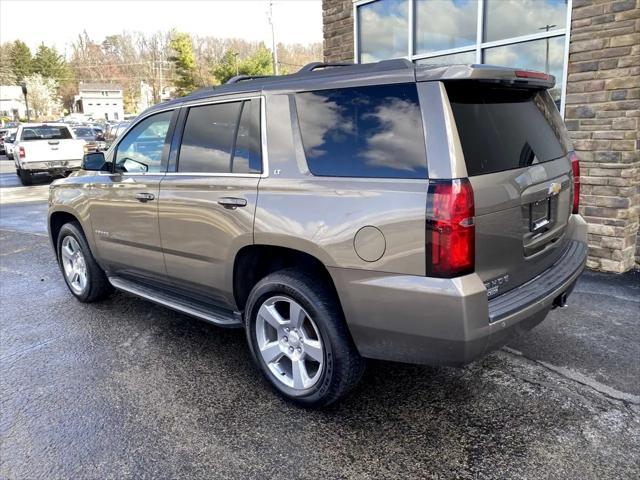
[220, 317]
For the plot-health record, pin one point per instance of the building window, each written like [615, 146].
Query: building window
[445, 24]
[383, 30]
[527, 34]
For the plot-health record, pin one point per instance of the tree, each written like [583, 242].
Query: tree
[184, 61]
[258, 63]
[48, 63]
[43, 97]
[7, 76]
[20, 60]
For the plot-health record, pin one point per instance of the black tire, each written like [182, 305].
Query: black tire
[25, 177]
[98, 286]
[343, 364]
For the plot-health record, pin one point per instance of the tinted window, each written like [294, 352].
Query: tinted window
[373, 131]
[140, 151]
[383, 30]
[84, 133]
[222, 138]
[502, 128]
[45, 133]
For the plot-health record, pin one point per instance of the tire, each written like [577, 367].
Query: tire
[96, 285]
[25, 177]
[323, 322]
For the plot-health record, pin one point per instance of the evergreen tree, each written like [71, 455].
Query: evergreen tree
[185, 63]
[48, 63]
[20, 60]
[259, 63]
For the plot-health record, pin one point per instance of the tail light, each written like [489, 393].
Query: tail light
[575, 169]
[450, 228]
[21, 153]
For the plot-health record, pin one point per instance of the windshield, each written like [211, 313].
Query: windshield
[45, 132]
[84, 133]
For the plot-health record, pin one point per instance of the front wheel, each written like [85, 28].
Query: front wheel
[82, 274]
[299, 339]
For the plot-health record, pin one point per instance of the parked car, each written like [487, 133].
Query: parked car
[115, 130]
[94, 141]
[42, 148]
[9, 145]
[410, 213]
[5, 134]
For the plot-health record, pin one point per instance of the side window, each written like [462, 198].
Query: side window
[222, 138]
[140, 151]
[372, 132]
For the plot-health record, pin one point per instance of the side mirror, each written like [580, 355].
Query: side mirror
[95, 161]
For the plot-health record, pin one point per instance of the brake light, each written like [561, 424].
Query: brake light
[450, 228]
[21, 153]
[575, 169]
[531, 74]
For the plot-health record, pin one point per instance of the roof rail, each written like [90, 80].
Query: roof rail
[241, 78]
[309, 67]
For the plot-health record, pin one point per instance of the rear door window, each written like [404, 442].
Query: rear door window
[505, 128]
[372, 131]
[222, 138]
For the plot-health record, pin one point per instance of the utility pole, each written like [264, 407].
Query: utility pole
[273, 40]
[546, 57]
[161, 68]
[235, 57]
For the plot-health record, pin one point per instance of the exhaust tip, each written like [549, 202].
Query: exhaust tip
[561, 300]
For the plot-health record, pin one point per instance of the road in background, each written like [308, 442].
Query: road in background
[126, 388]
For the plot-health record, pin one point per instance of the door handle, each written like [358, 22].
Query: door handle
[232, 202]
[145, 197]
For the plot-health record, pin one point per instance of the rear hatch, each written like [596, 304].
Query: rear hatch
[50, 143]
[517, 156]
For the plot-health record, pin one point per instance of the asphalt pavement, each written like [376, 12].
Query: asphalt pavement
[128, 389]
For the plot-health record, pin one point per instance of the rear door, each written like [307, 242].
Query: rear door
[207, 204]
[516, 153]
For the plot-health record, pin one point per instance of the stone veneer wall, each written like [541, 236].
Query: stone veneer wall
[603, 118]
[602, 115]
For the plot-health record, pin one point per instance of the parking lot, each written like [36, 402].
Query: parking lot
[129, 389]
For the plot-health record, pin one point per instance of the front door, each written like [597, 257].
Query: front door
[124, 205]
[207, 206]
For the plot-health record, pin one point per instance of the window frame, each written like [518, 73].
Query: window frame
[179, 131]
[113, 153]
[479, 46]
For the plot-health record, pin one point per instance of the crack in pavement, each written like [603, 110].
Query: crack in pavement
[579, 378]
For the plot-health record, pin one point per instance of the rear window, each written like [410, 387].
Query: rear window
[372, 131]
[505, 128]
[45, 133]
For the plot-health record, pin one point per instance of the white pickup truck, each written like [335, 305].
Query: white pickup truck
[46, 148]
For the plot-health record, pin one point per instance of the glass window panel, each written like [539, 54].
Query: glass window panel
[546, 55]
[141, 150]
[373, 131]
[464, 57]
[514, 18]
[207, 140]
[445, 24]
[246, 156]
[383, 30]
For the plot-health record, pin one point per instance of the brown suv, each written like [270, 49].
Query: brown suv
[410, 213]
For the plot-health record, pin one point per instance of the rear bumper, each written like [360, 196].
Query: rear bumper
[449, 321]
[51, 166]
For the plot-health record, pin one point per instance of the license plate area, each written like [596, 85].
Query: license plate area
[540, 215]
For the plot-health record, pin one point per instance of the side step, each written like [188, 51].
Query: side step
[217, 316]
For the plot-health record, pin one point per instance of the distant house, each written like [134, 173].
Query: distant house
[100, 101]
[12, 102]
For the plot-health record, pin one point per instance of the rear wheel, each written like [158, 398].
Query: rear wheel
[25, 177]
[298, 338]
[84, 277]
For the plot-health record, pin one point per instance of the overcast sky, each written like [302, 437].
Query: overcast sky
[58, 22]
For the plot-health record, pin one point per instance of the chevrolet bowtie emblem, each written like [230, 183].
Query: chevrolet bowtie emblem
[554, 188]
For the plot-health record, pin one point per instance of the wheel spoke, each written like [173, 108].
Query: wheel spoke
[82, 280]
[271, 316]
[296, 315]
[313, 350]
[271, 352]
[299, 373]
[67, 251]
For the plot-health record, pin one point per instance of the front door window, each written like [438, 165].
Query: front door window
[141, 150]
